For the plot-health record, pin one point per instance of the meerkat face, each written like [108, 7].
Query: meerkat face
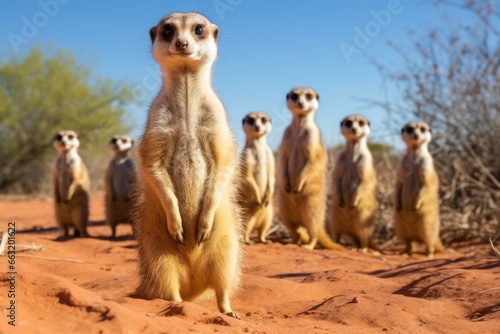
[66, 140]
[256, 124]
[354, 127]
[415, 134]
[121, 143]
[302, 101]
[184, 39]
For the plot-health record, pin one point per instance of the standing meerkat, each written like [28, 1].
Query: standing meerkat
[257, 187]
[302, 164]
[353, 185]
[70, 183]
[186, 220]
[119, 180]
[417, 199]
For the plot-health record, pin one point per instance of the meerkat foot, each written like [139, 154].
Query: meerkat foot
[232, 314]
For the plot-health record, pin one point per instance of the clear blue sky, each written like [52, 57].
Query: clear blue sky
[265, 49]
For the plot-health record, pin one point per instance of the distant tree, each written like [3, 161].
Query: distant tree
[450, 78]
[42, 93]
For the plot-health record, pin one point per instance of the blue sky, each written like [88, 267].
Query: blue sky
[265, 49]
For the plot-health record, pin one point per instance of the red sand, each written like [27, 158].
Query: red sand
[82, 286]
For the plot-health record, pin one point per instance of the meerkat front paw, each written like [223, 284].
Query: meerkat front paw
[205, 223]
[300, 186]
[174, 225]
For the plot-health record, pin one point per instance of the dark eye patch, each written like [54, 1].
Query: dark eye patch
[70, 137]
[309, 96]
[113, 141]
[294, 97]
[58, 137]
[348, 123]
[263, 120]
[423, 130]
[199, 30]
[409, 130]
[250, 120]
[168, 32]
[361, 123]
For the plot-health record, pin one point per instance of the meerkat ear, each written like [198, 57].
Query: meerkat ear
[132, 142]
[403, 130]
[215, 32]
[288, 96]
[317, 97]
[244, 119]
[152, 33]
[369, 124]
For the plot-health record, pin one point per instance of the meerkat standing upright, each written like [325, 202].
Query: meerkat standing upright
[186, 220]
[71, 185]
[417, 198]
[302, 164]
[119, 180]
[353, 185]
[257, 188]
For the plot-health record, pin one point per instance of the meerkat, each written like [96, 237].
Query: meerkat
[70, 183]
[186, 220]
[257, 186]
[353, 186]
[302, 164]
[119, 180]
[417, 199]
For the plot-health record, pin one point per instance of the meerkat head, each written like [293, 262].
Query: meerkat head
[256, 125]
[416, 134]
[66, 140]
[184, 40]
[121, 143]
[302, 101]
[354, 127]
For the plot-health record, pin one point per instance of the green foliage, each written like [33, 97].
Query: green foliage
[43, 93]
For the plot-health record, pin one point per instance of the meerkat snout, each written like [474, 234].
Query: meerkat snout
[257, 125]
[189, 39]
[66, 140]
[355, 127]
[416, 134]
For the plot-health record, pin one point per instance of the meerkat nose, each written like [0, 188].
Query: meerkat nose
[300, 104]
[181, 45]
[257, 128]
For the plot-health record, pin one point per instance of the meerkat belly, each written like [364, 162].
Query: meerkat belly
[349, 183]
[121, 182]
[189, 174]
[260, 172]
[409, 192]
[296, 162]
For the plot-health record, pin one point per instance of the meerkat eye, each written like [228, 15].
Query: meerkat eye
[361, 123]
[199, 30]
[251, 120]
[409, 130]
[348, 123]
[168, 31]
[263, 120]
[70, 137]
[309, 96]
[294, 96]
[112, 141]
[422, 129]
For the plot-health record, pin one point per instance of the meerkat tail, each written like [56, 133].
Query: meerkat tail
[325, 241]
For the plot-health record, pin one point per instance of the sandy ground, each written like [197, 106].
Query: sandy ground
[82, 286]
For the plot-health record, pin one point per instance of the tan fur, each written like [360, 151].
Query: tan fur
[186, 220]
[257, 187]
[70, 184]
[302, 164]
[119, 180]
[353, 186]
[416, 193]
